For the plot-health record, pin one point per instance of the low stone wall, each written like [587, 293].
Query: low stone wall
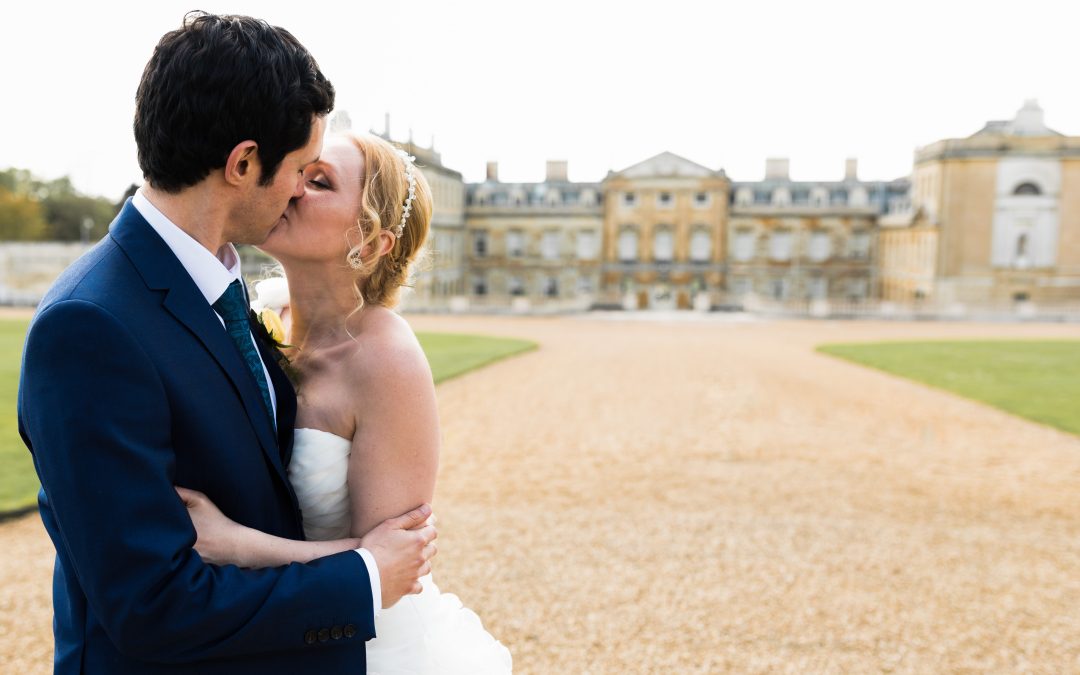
[28, 269]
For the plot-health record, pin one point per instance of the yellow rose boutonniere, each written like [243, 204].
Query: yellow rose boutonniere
[273, 324]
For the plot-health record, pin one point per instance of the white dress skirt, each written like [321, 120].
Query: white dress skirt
[430, 632]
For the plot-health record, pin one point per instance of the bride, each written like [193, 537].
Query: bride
[367, 437]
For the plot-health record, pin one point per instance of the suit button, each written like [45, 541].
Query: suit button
[336, 632]
[350, 630]
[324, 635]
[310, 637]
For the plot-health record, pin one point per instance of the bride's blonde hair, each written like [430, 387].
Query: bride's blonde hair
[384, 189]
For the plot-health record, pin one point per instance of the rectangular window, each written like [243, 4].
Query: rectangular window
[550, 245]
[665, 200]
[780, 245]
[551, 287]
[480, 243]
[586, 245]
[515, 243]
[702, 199]
[778, 288]
[860, 244]
[743, 249]
[741, 286]
[629, 199]
[820, 244]
[857, 288]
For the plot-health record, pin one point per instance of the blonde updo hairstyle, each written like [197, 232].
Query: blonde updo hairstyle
[384, 189]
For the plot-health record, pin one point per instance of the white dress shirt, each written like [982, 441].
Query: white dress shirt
[212, 274]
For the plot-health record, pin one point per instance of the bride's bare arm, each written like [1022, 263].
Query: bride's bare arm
[395, 449]
[222, 541]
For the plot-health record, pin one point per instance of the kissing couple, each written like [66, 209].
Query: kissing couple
[212, 513]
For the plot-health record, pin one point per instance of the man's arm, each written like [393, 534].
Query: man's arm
[97, 414]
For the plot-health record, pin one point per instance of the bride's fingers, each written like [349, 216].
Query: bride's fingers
[189, 497]
[427, 534]
[416, 588]
[429, 551]
[425, 569]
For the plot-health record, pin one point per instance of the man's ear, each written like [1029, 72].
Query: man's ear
[242, 164]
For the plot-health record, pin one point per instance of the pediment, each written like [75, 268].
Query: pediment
[666, 165]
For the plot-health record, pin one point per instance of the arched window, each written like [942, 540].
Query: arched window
[700, 245]
[1025, 189]
[664, 245]
[628, 245]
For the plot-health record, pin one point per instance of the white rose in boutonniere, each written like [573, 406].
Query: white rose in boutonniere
[272, 296]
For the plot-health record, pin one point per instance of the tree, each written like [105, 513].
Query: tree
[67, 214]
[67, 210]
[21, 217]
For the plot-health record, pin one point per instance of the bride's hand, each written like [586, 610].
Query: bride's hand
[218, 537]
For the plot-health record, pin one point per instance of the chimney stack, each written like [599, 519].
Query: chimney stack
[777, 168]
[556, 171]
[851, 169]
[493, 172]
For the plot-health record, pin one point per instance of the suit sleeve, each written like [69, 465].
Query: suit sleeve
[95, 411]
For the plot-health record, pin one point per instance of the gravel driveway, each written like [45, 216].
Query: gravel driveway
[710, 495]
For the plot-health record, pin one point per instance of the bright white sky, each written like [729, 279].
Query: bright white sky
[601, 84]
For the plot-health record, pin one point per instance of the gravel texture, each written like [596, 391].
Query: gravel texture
[681, 495]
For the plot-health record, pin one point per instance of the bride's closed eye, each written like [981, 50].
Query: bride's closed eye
[319, 183]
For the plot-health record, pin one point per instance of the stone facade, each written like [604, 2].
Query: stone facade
[439, 275]
[1004, 207]
[814, 241]
[664, 243]
[530, 245]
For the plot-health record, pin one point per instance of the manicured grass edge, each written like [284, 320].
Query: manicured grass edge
[834, 350]
[519, 347]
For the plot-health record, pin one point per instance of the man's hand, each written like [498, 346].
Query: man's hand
[403, 548]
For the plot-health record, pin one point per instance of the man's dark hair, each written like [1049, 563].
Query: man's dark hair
[217, 81]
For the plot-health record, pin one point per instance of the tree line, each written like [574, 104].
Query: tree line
[32, 209]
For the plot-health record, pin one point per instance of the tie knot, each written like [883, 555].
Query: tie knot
[231, 305]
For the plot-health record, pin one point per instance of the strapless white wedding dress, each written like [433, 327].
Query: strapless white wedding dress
[426, 633]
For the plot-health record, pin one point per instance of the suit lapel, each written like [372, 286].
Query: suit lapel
[162, 271]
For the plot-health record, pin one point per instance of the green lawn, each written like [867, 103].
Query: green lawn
[18, 483]
[1035, 379]
[450, 356]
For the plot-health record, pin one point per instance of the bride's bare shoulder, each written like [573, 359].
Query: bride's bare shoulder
[387, 348]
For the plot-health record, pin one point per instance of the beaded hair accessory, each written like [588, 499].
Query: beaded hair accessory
[411, 177]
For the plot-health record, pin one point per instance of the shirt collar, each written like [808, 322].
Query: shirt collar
[211, 274]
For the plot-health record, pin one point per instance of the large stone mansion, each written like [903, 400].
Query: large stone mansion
[992, 218]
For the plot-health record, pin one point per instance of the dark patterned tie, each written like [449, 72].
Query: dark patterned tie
[234, 310]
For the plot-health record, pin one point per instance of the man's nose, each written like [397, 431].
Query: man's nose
[299, 191]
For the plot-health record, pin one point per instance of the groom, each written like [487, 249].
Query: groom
[141, 372]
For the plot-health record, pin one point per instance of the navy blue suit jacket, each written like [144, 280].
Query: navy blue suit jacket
[130, 385]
